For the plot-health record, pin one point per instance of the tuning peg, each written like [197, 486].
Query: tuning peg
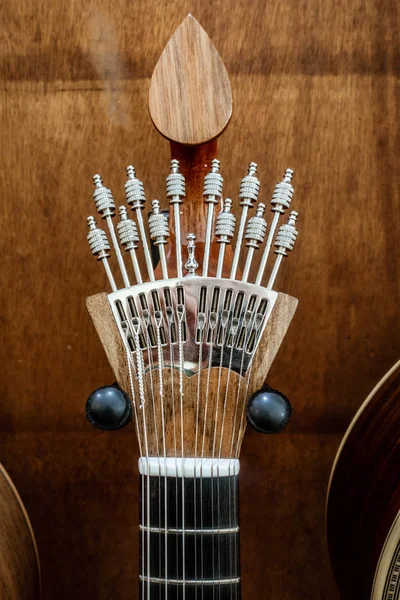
[284, 243]
[159, 232]
[268, 410]
[105, 206]
[224, 232]
[135, 197]
[255, 233]
[129, 237]
[108, 408]
[248, 194]
[100, 248]
[281, 199]
[175, 193]
[212, 193]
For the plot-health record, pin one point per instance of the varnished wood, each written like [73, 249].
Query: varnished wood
[315, 88]
[212, 431]
[190, 97]
[364, 493]
[194, 164]
[19, 560]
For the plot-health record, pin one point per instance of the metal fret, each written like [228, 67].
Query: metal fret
[231, 581]
[196, 531]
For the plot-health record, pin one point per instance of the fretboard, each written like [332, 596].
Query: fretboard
[189, 533]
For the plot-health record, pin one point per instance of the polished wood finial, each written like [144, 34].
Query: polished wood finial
[190, 97]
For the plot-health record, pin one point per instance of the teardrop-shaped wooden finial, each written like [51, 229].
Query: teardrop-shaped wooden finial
[190, 97]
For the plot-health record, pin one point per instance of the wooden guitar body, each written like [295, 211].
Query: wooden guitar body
[363, 505]
[19, 561]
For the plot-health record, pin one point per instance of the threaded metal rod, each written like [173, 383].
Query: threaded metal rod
[239, 241]
[284, 243]
[281, 199]
[249, 188]
[128, 237]
[135, 265]
[118, 252]
[178, 241]
[224, 232]
[255, 233]
[221, 256]
[143, 237]
[136, 199]
[105, 207]
[247, 266]
[100, 248]
[210, 219]
[109, 274]
[267, 249]
[163, 261]
[159, 232]
[176, 192]
[212, 192]
[274, 272]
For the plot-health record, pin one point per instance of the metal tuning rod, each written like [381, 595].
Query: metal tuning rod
[129, 237]
[191, 265]
[135, 197]
[248, 194]
[255, 234]
[105, 206]
[284, 243]
[224, 232]
[100, 248]
[175, 193]
[159, 232]
[281, 199]
[212, 192]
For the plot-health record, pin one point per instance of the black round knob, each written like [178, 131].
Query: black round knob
[108, 408]
[268, 410]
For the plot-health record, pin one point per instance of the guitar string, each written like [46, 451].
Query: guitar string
[140, 371]
[132, 389]
[161, 394]
[181, 366]
[172, 362]
[233, 476]
[147, 322]
[133, 401]
[201, 341]
[224, 338]
[245, 343]
[220, 445]
[248, 377]
[234, 492]
[245, 396]
[202, 452]
[161, 390]
[223, 327]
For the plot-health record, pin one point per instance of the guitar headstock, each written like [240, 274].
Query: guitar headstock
[191, 339]
[191, 350]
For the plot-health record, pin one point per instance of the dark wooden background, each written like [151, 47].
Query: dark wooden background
[316, 88]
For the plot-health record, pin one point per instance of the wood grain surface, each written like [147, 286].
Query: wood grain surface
[19, 561]
[364, 498]
[190, 96]
[315, 87]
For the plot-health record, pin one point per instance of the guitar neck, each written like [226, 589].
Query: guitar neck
[189, 529]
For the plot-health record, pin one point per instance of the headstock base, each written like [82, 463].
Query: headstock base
[218, 385]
